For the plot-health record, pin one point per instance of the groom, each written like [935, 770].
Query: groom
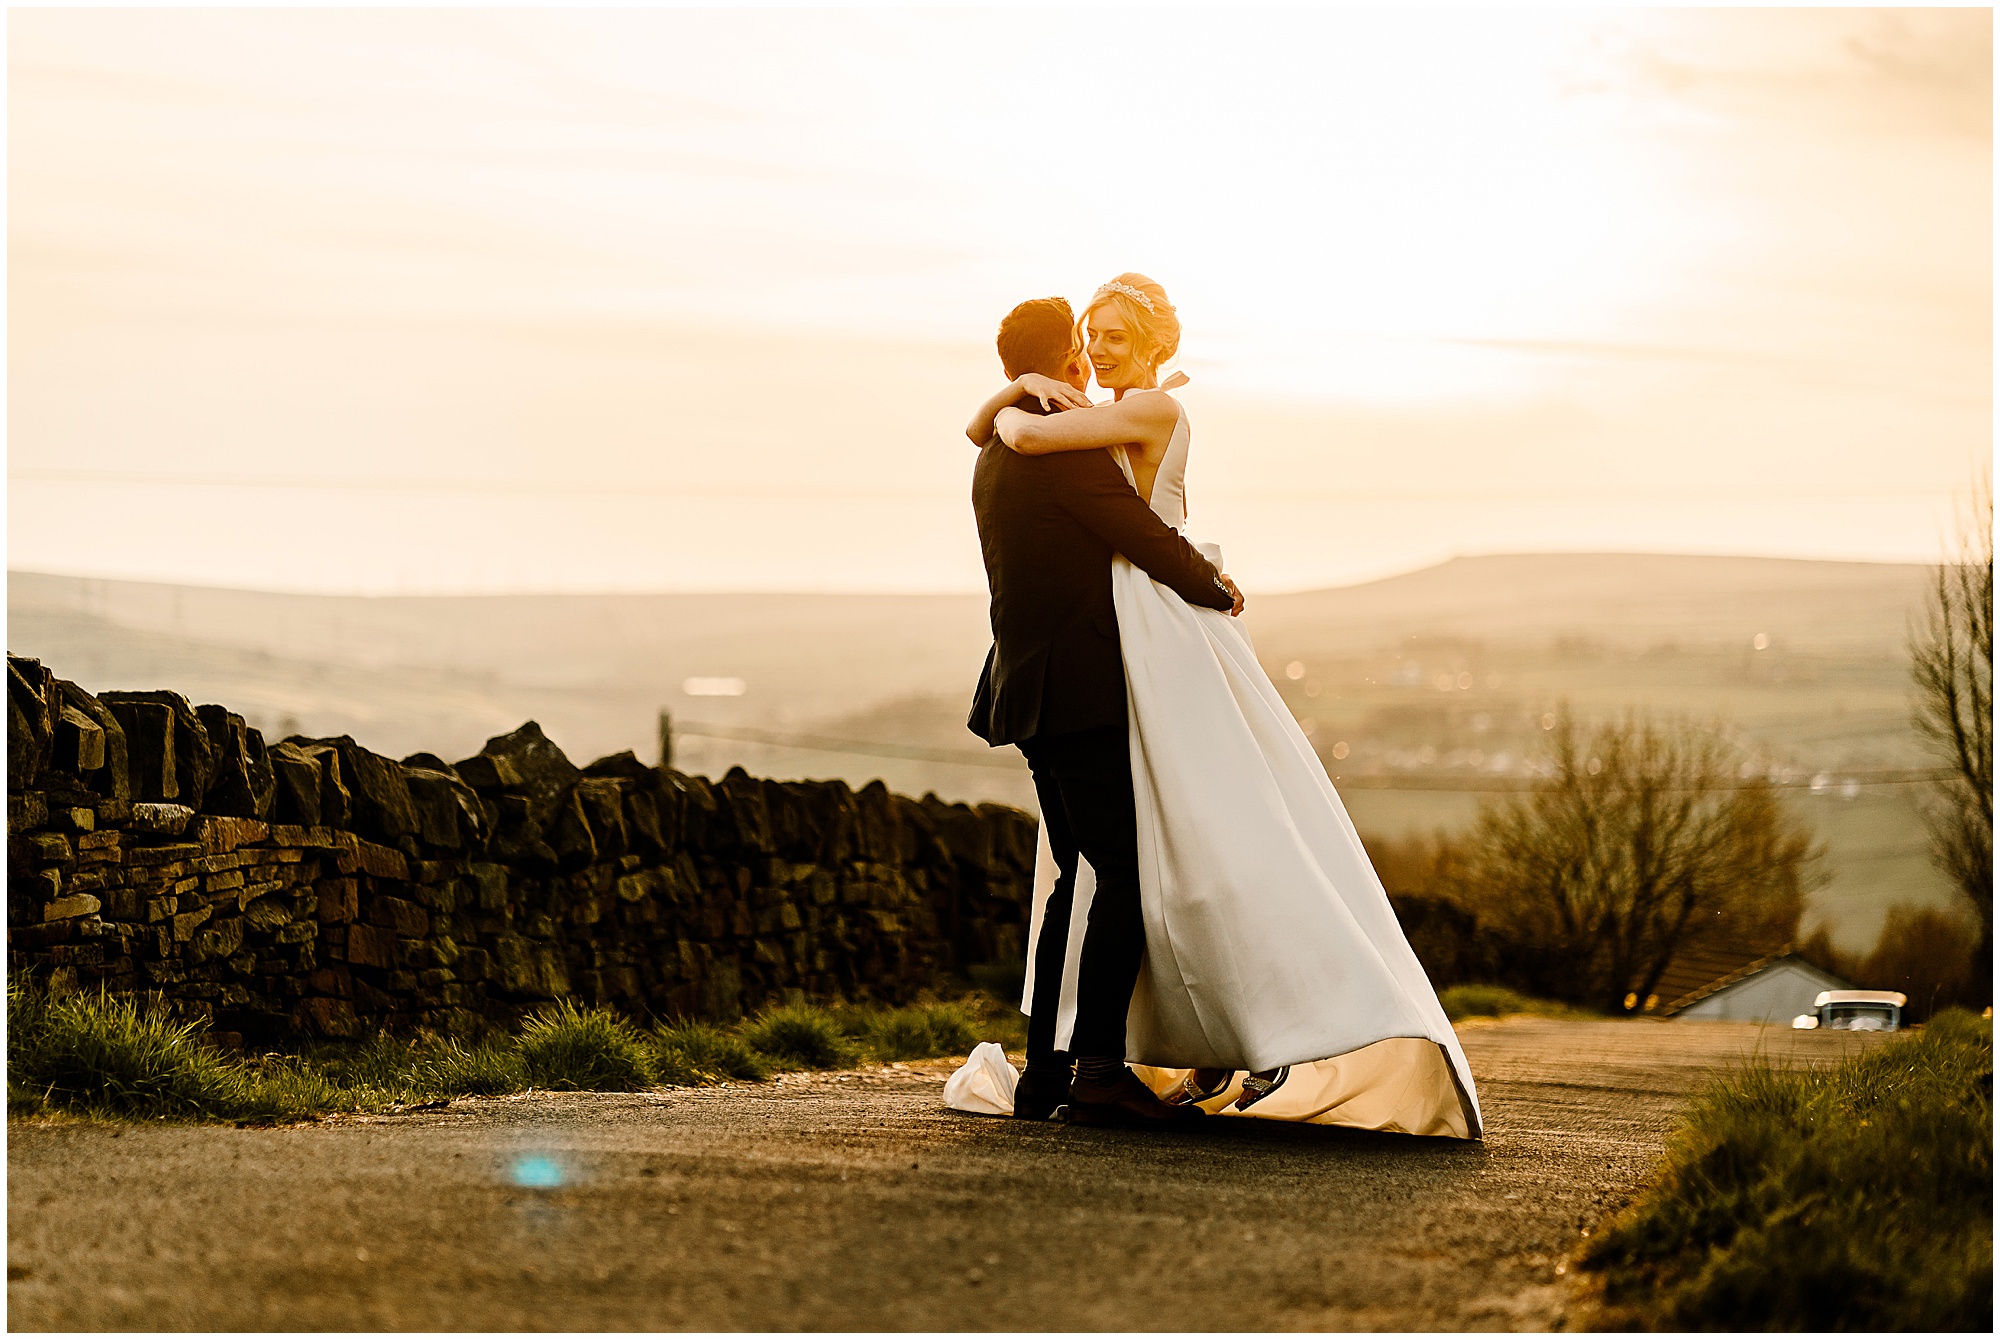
[1054, 685]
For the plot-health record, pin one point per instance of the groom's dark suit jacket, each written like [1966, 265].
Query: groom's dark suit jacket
[1048, 526]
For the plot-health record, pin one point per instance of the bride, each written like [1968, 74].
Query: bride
[1276, 982]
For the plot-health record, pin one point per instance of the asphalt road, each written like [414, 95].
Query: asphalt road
[855, 1202]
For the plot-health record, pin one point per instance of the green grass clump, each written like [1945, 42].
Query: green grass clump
[563, 1047]
[801, 1037]
[1492, 1002]
[1850, 1197]
[689, 1052]
[915, 1032]
[107, 1056]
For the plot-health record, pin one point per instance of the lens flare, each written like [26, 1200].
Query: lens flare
[536, 1170]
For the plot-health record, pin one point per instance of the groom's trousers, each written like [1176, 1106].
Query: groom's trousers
[1084, 783]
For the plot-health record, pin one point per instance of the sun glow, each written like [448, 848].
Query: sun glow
[1710, 280]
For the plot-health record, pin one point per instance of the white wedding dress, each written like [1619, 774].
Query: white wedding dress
[1269, 939]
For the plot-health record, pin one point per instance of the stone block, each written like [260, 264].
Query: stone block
[332, 980]
[174, 853]
[76, 818]
[30, 720]
[243, 782]
[315, 838]
[297, 933]
[223, 834]
[447, 810]
[328, 1016]
[399, 915]
[371, 946]
[76, 905]
[26, 811]
[295, 786]
[267, 914]
[78, 743]
[149, 739]
[186, 923]
[37, 849]
[381, 862]
[221, 939]
[338, 900]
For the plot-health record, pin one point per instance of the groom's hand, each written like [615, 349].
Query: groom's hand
[1235, 594]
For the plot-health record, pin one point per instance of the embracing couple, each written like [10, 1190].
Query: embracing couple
[1203, 907]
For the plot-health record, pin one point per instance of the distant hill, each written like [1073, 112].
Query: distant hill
[1458, 660]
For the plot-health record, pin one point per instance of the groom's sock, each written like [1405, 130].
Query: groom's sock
[1099, 1069]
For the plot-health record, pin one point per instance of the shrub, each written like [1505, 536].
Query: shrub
[1852, 1197]
[688, 1052]
[803, 1036]
[108, 1056]
[563, 1047]
[1475, 1001]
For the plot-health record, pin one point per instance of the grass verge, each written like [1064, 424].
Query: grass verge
[119, 1058]
[1850, 1197]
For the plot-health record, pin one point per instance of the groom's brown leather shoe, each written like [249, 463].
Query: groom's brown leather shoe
[1126, 1101]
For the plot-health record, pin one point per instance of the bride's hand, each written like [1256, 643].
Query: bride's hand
[1053, 394]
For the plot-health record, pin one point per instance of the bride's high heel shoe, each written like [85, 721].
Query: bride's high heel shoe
[1261, 1085]
[1200, 1086]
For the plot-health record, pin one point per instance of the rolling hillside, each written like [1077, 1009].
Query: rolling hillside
[1440, 676]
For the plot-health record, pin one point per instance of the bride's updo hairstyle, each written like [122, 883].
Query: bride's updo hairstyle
[1146, 310]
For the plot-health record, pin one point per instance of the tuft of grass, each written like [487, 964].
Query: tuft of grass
[1849, 1197]
[687, 1052]
[915, 1032]
[1492, 1002]
[563, 1047]
[803, 1037]
[450, 1069]
[101, 1055]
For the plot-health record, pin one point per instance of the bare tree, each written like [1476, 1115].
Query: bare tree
[1951, 661]
[1648, 839]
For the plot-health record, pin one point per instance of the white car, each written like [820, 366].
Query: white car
[1859, 1011]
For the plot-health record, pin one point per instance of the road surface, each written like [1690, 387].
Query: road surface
[856, 1202]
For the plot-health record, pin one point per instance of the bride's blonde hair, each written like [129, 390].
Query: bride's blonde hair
[1146, 310]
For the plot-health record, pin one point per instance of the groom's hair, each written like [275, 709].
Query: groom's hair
[1038, 336]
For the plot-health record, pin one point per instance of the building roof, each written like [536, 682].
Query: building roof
[1697, 975]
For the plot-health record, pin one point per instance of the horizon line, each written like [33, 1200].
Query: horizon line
[967, 592]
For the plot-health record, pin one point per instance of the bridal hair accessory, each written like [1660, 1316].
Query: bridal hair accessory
[1134, 294]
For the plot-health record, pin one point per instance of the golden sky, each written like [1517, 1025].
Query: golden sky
[462, 300]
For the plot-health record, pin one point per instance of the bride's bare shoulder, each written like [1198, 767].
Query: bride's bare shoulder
[1154, 404]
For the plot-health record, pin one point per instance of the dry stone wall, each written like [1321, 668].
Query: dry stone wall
[312, 888]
